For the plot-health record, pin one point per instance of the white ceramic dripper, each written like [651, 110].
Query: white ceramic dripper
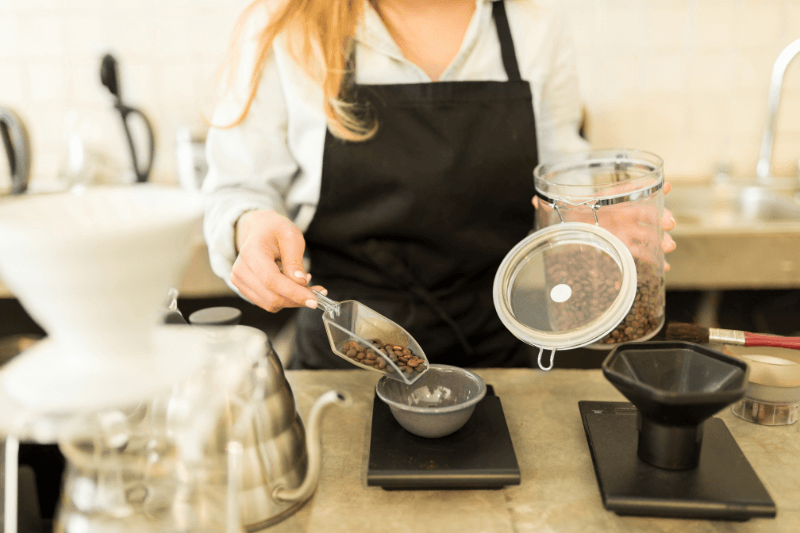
[92, 268]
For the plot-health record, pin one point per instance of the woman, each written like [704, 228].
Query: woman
[392, 142]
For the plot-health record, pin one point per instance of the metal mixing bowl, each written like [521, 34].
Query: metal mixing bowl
[437, 404]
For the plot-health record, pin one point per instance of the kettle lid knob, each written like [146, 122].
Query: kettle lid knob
[216, 316]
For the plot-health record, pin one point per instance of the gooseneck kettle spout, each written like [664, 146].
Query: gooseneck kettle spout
[314, 446]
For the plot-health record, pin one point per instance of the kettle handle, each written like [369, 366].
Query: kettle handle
[142, 174]
[17, 146]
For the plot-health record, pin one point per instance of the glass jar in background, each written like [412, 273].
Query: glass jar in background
[621, 190]
[93, 151]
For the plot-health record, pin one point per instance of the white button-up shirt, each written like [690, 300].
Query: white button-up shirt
[273, 159]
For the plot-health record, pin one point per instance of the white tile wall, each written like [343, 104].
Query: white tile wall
[49, 65]
[686, 79]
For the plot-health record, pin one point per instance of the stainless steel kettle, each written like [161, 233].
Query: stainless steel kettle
[18, 148]
[280, 462]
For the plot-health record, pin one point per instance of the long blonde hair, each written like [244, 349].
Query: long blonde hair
[320, 37]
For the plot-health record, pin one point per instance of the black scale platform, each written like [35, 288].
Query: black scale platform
[723, 486]
[480, 455]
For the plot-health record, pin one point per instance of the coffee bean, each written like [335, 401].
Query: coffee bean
[404, 358]
[595, 282]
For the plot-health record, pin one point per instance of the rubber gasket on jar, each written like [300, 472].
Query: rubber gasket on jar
[568, 233]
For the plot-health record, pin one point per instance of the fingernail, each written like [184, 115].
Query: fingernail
[311, 303]
[308, 278]
[299, 274]
[324, 292]
[672, 219]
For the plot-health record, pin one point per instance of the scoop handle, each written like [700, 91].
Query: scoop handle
[325, 303]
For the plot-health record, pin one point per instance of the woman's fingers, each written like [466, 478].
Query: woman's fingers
[267, 300]
[320, 289]
[261, 275]
[285, 285]
[668, 244]
[667, 220]
[539, 204]
[291, 246]
[668, 223]
[252, 288]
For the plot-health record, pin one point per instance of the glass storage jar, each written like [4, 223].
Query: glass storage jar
[621, 190]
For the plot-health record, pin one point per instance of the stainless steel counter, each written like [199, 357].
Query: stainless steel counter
[734, 236]
[559, 490]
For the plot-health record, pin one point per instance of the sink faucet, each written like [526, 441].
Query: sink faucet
[764, 177]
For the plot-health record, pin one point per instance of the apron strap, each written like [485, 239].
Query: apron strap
[506, 42]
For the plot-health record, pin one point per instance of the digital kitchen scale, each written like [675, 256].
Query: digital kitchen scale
[722, 486]
[480, 455]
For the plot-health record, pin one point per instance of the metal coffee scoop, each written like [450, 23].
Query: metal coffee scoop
[352, 325]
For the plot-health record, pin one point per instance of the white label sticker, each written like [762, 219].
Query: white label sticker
[560, 293]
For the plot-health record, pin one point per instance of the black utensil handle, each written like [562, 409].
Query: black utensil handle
[142, 174]
[17, 146]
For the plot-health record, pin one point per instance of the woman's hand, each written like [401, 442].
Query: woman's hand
[269, 269]
[667, 223]
[633, 224]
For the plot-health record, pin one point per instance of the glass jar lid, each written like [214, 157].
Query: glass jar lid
[565, 286]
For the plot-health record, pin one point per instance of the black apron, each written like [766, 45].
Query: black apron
[415, 221]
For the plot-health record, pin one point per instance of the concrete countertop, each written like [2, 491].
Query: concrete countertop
[559, 491]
